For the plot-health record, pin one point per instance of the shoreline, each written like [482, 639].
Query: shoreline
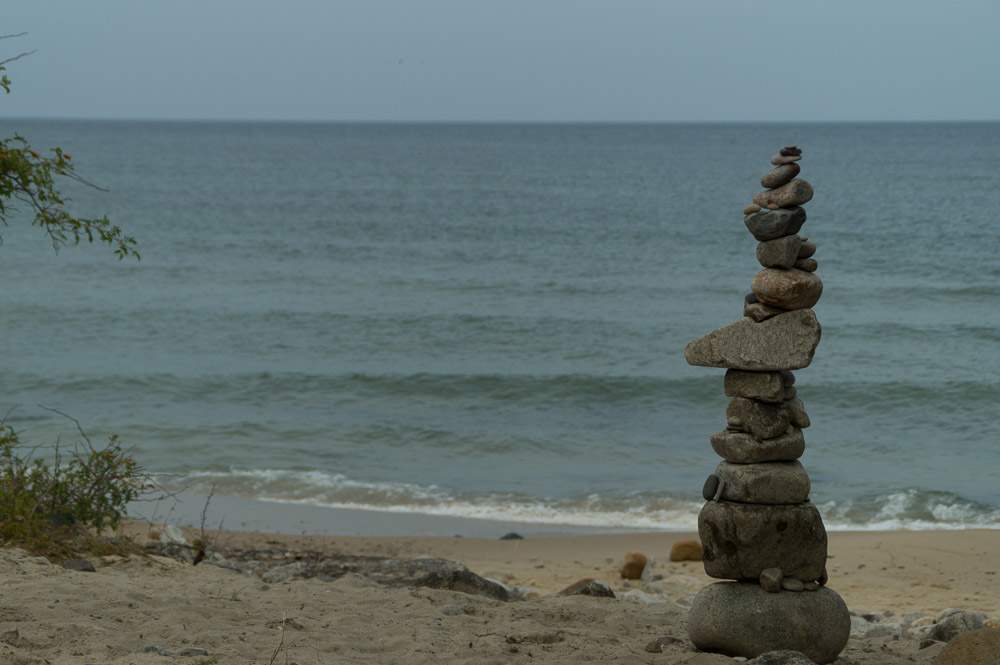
[926, 570]
[145, 610]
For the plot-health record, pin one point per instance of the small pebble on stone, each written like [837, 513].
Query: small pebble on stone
[750, 209]
[792, 584]
[770, 580]
[810, 586]
[773, 206]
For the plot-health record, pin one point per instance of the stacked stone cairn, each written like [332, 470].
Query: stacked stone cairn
[758, 527]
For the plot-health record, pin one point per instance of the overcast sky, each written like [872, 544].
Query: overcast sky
[505, 60]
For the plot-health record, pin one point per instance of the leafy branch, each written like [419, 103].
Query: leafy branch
[28, 178]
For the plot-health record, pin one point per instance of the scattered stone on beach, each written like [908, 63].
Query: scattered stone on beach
[779, 176]
[741, 619]
[783, 657]
[191, 652]
[750, 209]
[466, 581]
[764, 483]
[656, 646]
[781, 252]
[686, 550]
[763, 386]
[795, 192]
[790, 289]
[152, 648]
[512, 536]
[758, 311]
[741, 540]
[743, 448]
[82, 565]
[779, 159]
[594, 588]
[975, 647]
[770, 580]
[575, 586]
[770, 224]
[786, 341]
[892, 630]
[633, 565]
[806, 249]
[764, 420]
[955, 624]
[172, 535]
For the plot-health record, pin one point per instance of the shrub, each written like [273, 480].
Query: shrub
[44, 500]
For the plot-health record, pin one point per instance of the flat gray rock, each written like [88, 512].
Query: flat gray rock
[787, 288]
[465, 581]
[741, 619]
[742, 448]
[764, 420]
[779, 159]
[781, 252]
[792, 193]
[785, 341]
[741, 540]
[765, 386]
[764, 482]
[771, 224]
[955, 624]
[779, 176]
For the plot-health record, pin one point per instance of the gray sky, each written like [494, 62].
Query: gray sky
[505, 60]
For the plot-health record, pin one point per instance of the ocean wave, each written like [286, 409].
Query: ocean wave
[910, 509]
[508, 388]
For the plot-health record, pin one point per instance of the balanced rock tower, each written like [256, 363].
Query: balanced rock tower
[758, 527]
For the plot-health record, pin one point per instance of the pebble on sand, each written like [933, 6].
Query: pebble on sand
[632, 566]
[686, 550]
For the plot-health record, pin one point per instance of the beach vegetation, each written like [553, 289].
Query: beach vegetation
[28, 181]
[54, 499]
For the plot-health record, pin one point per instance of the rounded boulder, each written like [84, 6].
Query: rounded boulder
[788, 289]
[742, 619]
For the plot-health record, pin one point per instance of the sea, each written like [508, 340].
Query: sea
[488, 320]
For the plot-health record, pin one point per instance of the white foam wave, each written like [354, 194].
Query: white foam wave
[909, 509]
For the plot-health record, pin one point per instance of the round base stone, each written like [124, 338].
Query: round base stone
[741, 619]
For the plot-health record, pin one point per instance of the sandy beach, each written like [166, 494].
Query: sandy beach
[156, 609]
